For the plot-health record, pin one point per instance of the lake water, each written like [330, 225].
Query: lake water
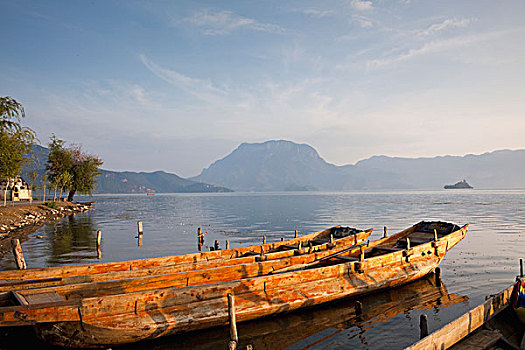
[485, 262]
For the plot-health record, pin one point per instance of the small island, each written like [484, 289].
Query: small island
[461, 184]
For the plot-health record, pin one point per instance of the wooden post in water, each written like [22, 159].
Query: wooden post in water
[423, 326]
[438, 276]
[140, 231]
[295, 233]
[233, 323]
[264, 239]
[19, 255]
[521, 267]
[216, 245]
[384, 232]
[200, 236]
[99, 240]
[227, 244]
[358, 308]
[282, 239]
[435, 235]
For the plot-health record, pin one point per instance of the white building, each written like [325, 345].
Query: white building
[17, 190]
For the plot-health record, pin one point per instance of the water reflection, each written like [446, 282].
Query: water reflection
[71, 240]
[320, 326]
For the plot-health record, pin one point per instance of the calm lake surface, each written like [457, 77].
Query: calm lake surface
[484, 263]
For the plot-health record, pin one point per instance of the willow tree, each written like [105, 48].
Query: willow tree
[15, 140]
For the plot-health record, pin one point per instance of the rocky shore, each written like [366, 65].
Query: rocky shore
[22, 219]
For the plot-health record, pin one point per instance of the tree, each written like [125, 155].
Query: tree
[71, 168]
[15, 140]
[59, 163]
[85, 170]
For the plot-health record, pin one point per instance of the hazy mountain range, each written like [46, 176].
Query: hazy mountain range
[288, 166]
[284, 165]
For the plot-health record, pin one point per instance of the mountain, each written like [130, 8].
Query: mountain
[133, 182]
[273, 166]
[285, 165]
[158, 181]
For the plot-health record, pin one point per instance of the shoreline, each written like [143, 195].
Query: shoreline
[21, 220]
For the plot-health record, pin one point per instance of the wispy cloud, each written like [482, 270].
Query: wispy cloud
[314, 12]
[361, 5]
[203, 89]
[439, 46]
[364, 22]
[446, 24]
[224, 22]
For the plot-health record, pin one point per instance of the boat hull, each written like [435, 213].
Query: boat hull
[120, 319]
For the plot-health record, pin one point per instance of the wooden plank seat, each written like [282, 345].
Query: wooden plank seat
[250, 253]
[41, 298]
[289, 246]
[484, 339]
[388, 249]
[319, 241]
[346, 258]
[414, 242]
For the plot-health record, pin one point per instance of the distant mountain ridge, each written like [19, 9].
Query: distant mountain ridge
[137, 182]
[280, 165]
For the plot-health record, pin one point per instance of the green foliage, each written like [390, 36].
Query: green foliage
[52, 205]
[15, 140]
[11, 154]
[71, 168]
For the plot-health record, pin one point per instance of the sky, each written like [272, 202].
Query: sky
[176, 85]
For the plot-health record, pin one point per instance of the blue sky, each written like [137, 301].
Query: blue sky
[175, 85]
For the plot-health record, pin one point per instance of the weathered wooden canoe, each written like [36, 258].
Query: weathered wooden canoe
[492, 325]
[315, 326]
[103, 284]
[138, 313]
[335, 237]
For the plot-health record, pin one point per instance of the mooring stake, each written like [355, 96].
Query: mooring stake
[19, 255]
[438, 276]
[521, 267]
[423, 326]
[358, 308]
[384, 232]
[233, 323]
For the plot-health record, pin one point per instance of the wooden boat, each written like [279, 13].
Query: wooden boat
[325, 321]
[491, 325]
[104, 284]
[275, 333]
[100, 316]
[337, 237]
